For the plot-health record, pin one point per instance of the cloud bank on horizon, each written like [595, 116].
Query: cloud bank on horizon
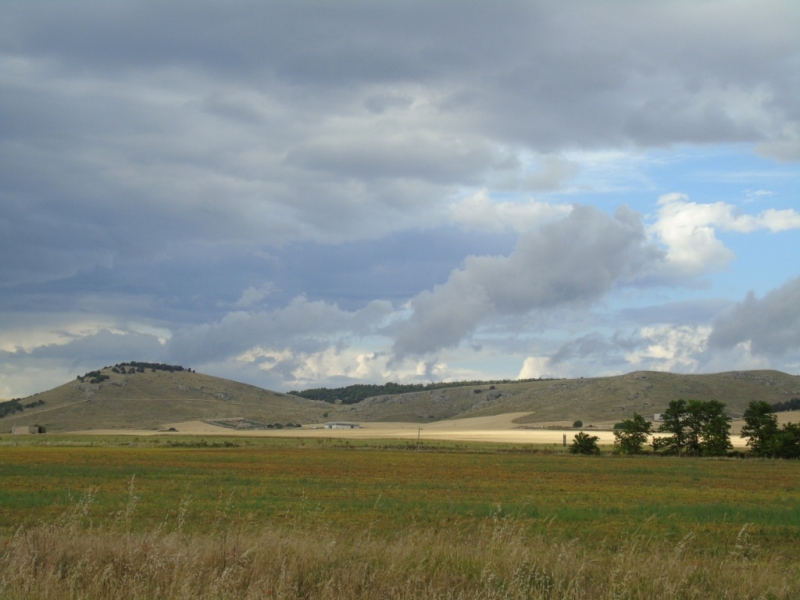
[300, 194]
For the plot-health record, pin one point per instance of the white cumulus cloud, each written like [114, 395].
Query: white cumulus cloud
[670, 348]
[688, 230]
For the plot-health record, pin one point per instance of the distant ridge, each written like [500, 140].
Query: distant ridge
[133, 396]
[589, 399]
[353, 394]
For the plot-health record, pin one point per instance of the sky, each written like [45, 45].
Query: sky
[302, 193]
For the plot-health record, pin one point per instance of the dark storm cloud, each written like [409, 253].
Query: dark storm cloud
[548, 75]
[771, 324]
[130, 123]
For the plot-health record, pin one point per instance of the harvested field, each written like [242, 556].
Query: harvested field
[501, 429]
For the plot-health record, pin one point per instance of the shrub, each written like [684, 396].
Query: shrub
[577, 424]
[583, 443]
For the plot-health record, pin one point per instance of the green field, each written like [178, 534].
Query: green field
[707, 514]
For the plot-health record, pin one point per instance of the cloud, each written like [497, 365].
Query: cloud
[770, 326]
[688, 229]
[105, 346]
[656, 347]
[142, 127]
[479, 212]
[21, 378]
[61, 355]
[340, 366]
[303, 326]
[358, 147]
[253, 295]
[785, 146]
[572, 262]
[684, 312]
[592, 344]
[161, 161]
[535, 367]
[670, 348]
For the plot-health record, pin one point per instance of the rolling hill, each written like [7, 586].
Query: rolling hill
[591, 399]
[153, 399]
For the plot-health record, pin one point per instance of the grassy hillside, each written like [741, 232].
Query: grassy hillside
[155, 399]
[595, 399]
[152, 399]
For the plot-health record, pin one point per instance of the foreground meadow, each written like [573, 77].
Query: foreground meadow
[331, 519]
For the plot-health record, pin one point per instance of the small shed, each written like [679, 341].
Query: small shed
[341, 425]
[26, 429]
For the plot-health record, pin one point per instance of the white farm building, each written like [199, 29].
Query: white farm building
[341, 425]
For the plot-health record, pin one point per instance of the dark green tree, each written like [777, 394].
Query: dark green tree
[583, 443]
[693, 427]
[674, 422]
[786, 443]
[630, 438]
[715, 429]
[760, 427]
[698, 428]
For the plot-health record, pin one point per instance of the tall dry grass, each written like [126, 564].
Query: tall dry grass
[495, 559]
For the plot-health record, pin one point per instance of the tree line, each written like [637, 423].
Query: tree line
[701, 428]
[129, 368]
[14, 406]
[793, 404]
[140, 367]
[353, 394]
